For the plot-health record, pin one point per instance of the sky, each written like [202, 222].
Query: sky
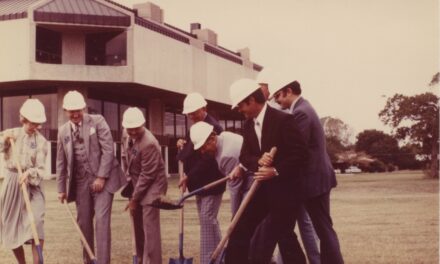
[348, 55]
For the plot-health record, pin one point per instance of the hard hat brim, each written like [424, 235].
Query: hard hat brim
[132, 124]
[192, 109]
[244, 96]
[74, 107]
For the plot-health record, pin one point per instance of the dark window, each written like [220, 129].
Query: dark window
[48, 46]
[106, 48]
[11, 110]
[50, 103]
[94, 106]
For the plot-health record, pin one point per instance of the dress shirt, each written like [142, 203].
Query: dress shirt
[258, 123]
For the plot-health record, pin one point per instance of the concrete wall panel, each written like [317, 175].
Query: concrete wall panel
[14, 50]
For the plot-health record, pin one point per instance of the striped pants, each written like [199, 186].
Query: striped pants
[210, 234]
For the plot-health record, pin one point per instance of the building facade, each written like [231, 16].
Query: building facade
[116, 57]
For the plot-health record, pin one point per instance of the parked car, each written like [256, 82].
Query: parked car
[337, 171]
[353, 169]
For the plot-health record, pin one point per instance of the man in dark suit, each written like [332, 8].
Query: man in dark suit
[320, 177]
[279, 195]
[199, 171]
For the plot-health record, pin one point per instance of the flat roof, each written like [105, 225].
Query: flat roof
[95, 13]
[80, 12]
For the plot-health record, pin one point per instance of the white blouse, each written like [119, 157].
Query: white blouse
[32, 151]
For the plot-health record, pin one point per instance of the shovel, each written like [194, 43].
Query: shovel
[166, 203]
[81, 235]
[28, 206]
[219, 251]
[133, 240]
[181, 259]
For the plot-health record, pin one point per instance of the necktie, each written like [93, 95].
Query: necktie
[258, 132]
[76, 132]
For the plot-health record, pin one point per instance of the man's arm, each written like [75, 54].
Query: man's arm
[61, 168]
[248, 159]
[106, 143]
[294, 147]
[150, 166]
[124, 164]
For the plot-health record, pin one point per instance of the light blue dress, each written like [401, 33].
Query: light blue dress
[15, 228]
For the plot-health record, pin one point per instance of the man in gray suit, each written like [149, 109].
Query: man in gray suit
[87, 172]
[319, 176]
[226, 149]
[143, 164]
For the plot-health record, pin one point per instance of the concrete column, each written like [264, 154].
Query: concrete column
[156, 111]
[74, 48]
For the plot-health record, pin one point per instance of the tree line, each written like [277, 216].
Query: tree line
[412, 144]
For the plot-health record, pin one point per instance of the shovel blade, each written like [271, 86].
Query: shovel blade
[165, 204]
[40, 254]
[181, 261]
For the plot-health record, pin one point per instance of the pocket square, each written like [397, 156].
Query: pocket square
[92, 130]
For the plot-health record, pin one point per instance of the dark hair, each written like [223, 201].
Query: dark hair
[257, 95]
[294, 86]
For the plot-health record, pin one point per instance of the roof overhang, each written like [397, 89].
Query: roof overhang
[84, 12]
[124, 93]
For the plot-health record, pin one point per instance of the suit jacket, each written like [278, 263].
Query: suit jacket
[144, 166]
[201, 169]
[320, 176]
[98, 143]
[279, 130]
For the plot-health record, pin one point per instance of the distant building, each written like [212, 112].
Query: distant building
[117, 57]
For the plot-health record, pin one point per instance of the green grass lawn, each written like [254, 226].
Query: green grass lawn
[379, 218]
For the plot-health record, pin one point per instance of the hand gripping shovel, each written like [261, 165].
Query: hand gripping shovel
[181, 259]
[166, 203]
[223, 243]
[28, 205]
[81, 235]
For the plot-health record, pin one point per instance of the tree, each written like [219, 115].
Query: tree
[406, 160]
[416, 118]
[378, 145]
[336, 128]
[337, 135]
[334, 147]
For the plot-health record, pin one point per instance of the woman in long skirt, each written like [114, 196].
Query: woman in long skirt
[31, 150]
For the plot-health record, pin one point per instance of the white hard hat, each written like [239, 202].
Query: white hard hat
[265, 76]
[199, 133]
[133, 118]
[73, 100]
[193, 102]
[274, 80]
[33, 110]
[241, 89]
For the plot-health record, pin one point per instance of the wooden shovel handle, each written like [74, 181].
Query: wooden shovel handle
[254, 187]
[133, 236]
[25, 195]
[81, 235]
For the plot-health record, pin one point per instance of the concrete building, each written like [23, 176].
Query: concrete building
[117, 57]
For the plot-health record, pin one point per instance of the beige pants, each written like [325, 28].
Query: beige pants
[148, 239]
